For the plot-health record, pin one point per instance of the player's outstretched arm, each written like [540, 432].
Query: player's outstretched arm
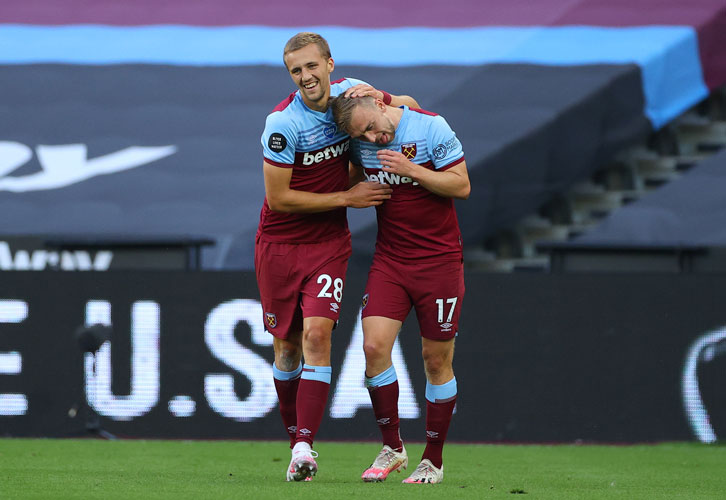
[281, 198]
[401, 100]
[363, 89]
[451, 183]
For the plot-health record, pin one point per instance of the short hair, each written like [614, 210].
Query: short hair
[343, 107]
[303, 39]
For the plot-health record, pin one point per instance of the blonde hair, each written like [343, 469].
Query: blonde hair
[303, 39]
[343, 107]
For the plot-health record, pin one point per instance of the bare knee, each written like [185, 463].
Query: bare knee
[434, 364]
[438, 362]
[288, 354]
[289, 351]
[316, 343]
[375, 350]
[316, 336]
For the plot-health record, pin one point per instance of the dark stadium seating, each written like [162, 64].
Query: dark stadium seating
[151, 125]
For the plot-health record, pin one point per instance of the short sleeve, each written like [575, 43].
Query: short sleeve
[445, 147]
[279, 139]
[355, 157]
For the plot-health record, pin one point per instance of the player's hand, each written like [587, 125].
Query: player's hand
[368, 194]
[395, 162]
[363, 90]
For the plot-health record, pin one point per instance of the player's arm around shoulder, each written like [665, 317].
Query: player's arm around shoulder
[281, 198]
[401, 100]
[364, 89]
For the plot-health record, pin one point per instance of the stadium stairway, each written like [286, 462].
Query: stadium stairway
[665, 157]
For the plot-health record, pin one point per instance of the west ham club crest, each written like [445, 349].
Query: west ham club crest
[409, 150]
[270, 320]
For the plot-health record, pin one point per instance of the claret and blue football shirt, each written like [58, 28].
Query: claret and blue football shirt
[309, 143]
[414, 222]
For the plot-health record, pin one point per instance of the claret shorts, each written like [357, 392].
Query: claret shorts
[433, 287]
[299, 281]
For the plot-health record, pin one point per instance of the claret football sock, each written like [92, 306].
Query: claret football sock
[440, 402]
[286, 385]
[312, 396]
[383, 390]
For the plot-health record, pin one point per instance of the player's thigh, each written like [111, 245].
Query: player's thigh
[379, 335]
[437, 291]
[326, 264]
[385, 294]
[279, 280]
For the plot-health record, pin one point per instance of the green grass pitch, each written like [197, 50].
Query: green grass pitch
[136, 469]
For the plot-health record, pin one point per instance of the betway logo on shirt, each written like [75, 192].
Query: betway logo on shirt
[390, 178]
[333, 151]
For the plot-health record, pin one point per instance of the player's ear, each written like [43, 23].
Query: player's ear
[331, 65]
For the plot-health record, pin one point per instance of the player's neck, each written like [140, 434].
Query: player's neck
[320, 105]
[394, 114]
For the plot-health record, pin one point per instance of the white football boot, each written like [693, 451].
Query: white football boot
[426, 473]
[302, 465]
[386, 462]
